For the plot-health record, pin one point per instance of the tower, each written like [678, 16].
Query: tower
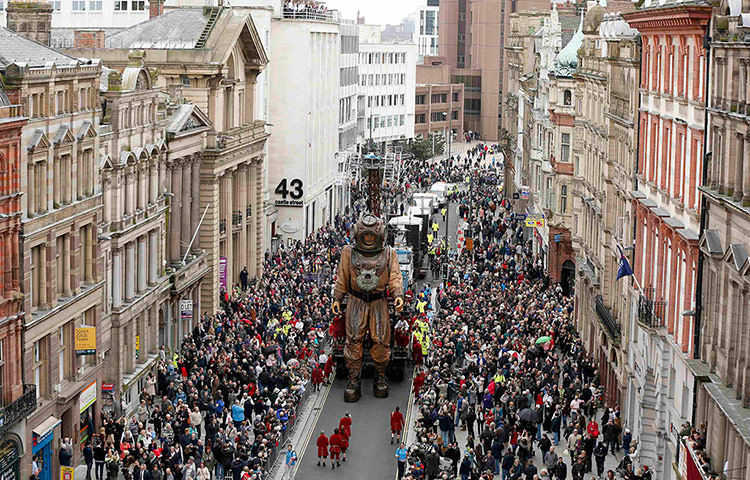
[31, 18]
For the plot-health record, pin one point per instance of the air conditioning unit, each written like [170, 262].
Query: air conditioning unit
[57, 387]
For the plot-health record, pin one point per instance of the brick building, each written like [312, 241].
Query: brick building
[61, 268]
[17, 399]
[436, 98]
[666, 209]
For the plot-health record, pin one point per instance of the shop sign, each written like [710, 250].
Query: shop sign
[535, 220]
[8, 460]
[87, 397]
[186, 309]
[558, 237]
[525, 193]
[137, 347]
[85, 342]
[108, 394]
[67, 473]
[223, 272]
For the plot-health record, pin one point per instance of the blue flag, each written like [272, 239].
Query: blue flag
[624, 269]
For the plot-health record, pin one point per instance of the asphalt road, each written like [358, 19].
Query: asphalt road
[370, 454]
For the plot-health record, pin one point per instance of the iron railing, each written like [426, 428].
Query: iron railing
[318, 14]
[249, 212]
[19, 409]
[609, 323]
[222, 227]
[651, 312]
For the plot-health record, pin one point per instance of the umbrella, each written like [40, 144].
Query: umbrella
[529, 415]
[543, 340]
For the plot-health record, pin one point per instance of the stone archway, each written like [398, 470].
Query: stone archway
[568, 277]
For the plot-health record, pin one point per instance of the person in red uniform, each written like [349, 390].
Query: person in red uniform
[322, 444]
[418, 382]
[328, 369]
[317, 378]
[344, 443]
[335, 443]
[346, 424]
[397, 424]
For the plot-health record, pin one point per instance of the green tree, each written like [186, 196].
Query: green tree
[422, 148]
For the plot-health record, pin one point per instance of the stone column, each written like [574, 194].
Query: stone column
[153, 179]
[153, 259]
[187, 231]
[257, 213]
[129, 271]
[44, 187]
[43, 276]
[196, 212]
[243, 249]
[225, 193]
[252, 220]
[116, 278]
[746, 170]
[142, 185]
[90, 238]
[33, 196]
[142, 264]
[15, 260]
[66, 265]
[76, 270]
[174, 217]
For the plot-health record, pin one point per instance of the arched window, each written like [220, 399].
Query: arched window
[567, 97]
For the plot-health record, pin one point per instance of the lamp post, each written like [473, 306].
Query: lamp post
[448, 203]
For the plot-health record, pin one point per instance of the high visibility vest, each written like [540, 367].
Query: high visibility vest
[435, 226]
[430, 237]
[425, 345]
[420, 306]
[443, 211]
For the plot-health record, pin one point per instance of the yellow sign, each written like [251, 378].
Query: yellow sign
[535, 220]
[137, 347]
[85, 341]
[67, 473]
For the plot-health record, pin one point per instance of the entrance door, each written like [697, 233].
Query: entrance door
[45, 454]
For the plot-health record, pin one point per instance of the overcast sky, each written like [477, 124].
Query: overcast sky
[376, 11]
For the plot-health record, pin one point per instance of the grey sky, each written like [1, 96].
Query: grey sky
[376, 11]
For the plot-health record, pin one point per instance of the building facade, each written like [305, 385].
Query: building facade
[666, 208]
[722, 394]
[213, 64]
[604, 154]
[387, 80]
[426, 31]
[438, 103]
[17, 399]
[60, 257]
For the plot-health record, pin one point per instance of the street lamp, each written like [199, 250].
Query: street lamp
[448, 203]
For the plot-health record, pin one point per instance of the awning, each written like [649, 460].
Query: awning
[46, 426]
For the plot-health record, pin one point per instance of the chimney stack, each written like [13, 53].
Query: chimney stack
[155, 8]
[30, 18]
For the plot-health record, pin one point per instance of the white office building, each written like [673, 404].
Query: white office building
[426, 30]
[387, 80]
[107, 16]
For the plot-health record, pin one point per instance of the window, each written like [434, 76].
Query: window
[38, 372]
[437, 117]
[420, 118]
[2, 5]
[563, 198]
[454, 115]
[79, 5]
[185, 80]
[565, 148]
[567, 97]
[121, 5]
[419, 99]
[390, 121]
[401, 119]
[61, 361]
[138, 4]
[439, 98]
[95, 5]
[455, 96]
[55, 5]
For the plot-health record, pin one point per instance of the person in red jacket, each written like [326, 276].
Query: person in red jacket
[346, 424]
[317, 378]
[322, 444]
[418, 382]
[335, 443]
[397, 424]
[328, 369]
[344, 443]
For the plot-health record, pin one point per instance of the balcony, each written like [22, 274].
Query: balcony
[222, 227]
[609, 323]
[249, 212]
[236, 219]
[19, 409]
[651, 312]
[313, 14]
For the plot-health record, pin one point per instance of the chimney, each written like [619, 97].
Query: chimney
[155, 8]
[88, 39]
[30, 18]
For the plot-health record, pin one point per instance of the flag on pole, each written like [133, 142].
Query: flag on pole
[624, 269]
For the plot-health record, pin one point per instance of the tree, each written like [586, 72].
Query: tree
[421, 148]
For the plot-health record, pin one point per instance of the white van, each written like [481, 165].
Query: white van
[427, 201]
[441, 190]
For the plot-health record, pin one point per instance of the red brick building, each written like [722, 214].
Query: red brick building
[11, 299]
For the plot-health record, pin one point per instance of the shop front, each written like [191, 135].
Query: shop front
[86, 402]
[10, 453]
[41, 445]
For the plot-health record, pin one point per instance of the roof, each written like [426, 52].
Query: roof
[4, 100]
[15, 48]
[567, 60]
[178, 29]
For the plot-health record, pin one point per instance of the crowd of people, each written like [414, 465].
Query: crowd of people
[220, 407]
[304, 8]
[337, 445]
[504, 361]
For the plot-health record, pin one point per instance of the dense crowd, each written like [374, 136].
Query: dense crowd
[504, 361]
[221, 406]
[304, 8]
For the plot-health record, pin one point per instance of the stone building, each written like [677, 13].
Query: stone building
[17, 399]
[723, 393]
[30, 18]
[140, 173]
[60, 257]
[431, 112]
[604, 154]
[666, 207]
[214, 56]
